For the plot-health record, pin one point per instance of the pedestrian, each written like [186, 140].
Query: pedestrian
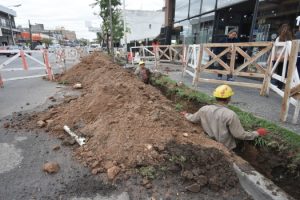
[221, 123]
[285, 35]
[142, 72]
[232, 37]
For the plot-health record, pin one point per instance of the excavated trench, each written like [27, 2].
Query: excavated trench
[274, 164]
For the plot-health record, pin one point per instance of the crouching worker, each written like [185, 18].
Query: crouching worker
[142, 72]
[221, 123]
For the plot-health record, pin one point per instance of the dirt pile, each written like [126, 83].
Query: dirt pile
[128, 125]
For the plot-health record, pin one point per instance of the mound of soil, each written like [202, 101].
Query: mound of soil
[128, 125]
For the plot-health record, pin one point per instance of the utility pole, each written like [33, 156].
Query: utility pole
[30, 35]
[124, 21]
[111, 31]
[11, 30]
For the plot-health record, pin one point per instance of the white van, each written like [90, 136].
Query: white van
[94, 47]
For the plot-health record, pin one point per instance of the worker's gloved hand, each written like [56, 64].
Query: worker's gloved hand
[262, 132]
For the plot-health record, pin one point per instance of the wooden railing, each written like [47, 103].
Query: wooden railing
[229, 64]
[157, 54]
[256, 60]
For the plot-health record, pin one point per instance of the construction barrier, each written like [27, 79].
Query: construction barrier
[44, 65]
[230, 66]
[289, 77]
[156, 54]
[252, 59]
[264, 70]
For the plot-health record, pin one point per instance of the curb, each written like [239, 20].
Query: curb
[259, 187]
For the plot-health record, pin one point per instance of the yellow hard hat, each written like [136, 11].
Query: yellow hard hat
[223, 92]
[141, 62]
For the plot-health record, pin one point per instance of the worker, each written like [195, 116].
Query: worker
[142, 72]
[221, 123]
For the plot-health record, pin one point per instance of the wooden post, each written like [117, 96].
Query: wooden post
[155, 57]
[198, 67]
[170, 53]
[232, 59]
[287, 91]
[184, 61]
[268, 74]
[266, 83]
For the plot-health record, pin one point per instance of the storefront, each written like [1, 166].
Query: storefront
[204, 21]
[272, 14]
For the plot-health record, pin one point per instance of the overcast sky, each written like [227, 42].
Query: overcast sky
[71, 14]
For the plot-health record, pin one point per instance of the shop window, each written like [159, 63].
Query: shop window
[208, 5]
[186, 36]
[195, 8]
[206, 28]
[226, 3]
[181, 10]
[3, 22]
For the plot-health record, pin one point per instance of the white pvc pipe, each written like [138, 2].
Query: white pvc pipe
[79, 140]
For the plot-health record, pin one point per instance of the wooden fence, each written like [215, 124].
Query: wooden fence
[257, 60]
[226, 60]
[251, 68]
[157, 54]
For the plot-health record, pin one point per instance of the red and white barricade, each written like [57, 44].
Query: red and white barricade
[24, 56]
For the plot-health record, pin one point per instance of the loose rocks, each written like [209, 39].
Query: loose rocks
[113, 172]
[41, 124]
[51, 167]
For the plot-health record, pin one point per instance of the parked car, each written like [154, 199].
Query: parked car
[3, 48]
[52, 48]
[39, 47]
[94, 47]
[14, 48]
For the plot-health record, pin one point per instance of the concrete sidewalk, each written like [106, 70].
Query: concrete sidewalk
[247, 99]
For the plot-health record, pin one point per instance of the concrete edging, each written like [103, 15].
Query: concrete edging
[259, 187]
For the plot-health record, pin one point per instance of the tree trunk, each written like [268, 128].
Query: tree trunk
[107, 44]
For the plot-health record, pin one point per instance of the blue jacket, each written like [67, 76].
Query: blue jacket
[218, 50]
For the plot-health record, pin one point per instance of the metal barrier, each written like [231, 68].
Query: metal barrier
[44, 64]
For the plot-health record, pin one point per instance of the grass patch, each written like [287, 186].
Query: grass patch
[148, 172]
[178, 107]
[280, 139]
[63, 82]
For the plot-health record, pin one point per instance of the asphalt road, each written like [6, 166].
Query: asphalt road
[20, 95]
[22, 154]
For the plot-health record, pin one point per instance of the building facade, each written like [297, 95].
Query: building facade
[204, 21]
[143, 25]
[67, 35]
[8, 29]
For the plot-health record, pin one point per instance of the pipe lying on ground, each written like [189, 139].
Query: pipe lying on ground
[79, 140]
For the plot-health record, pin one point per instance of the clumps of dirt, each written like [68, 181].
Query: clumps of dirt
[202, 167]
[127, 125]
